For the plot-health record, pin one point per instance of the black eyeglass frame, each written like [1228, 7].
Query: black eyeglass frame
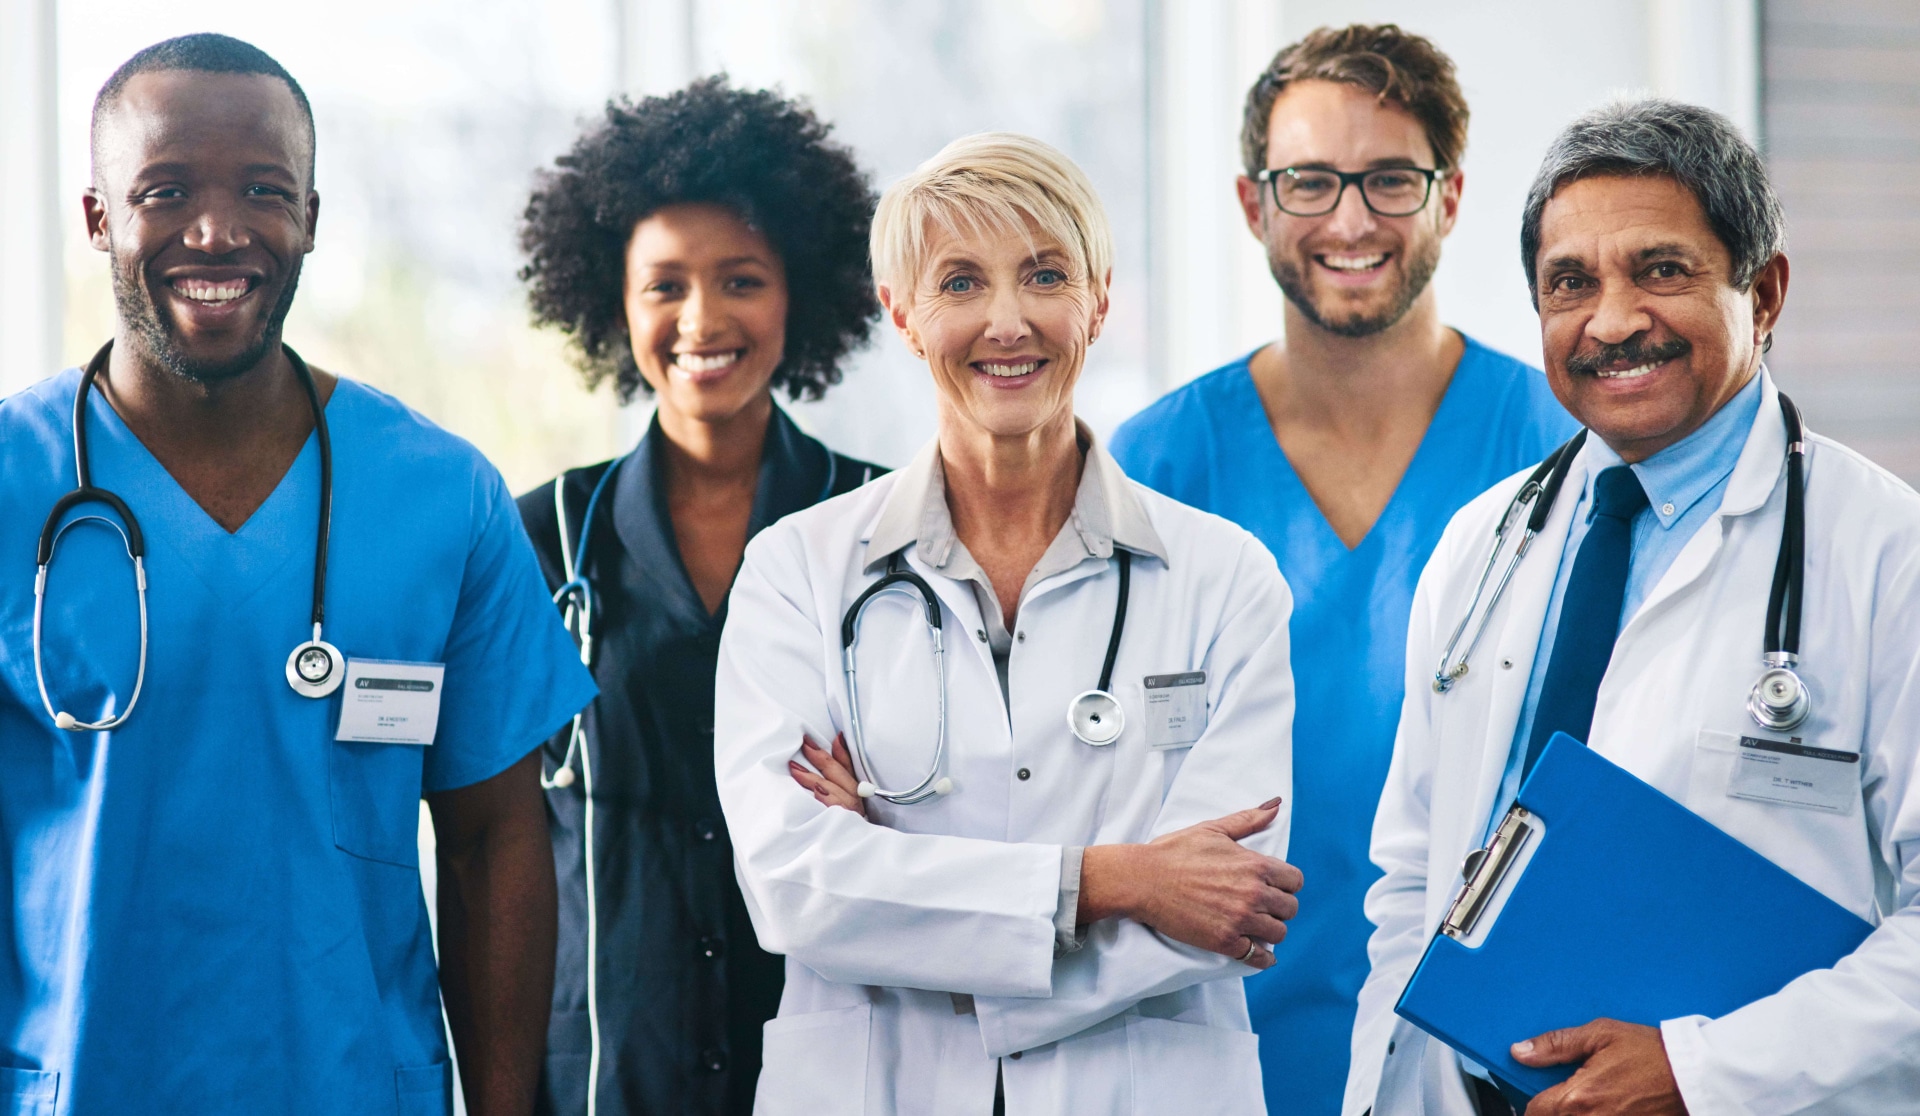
[1357, 179]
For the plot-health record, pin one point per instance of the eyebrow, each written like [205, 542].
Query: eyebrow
[1657, 250]
[1385, 162]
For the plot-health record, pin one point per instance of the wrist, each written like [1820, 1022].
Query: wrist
[1109, 888]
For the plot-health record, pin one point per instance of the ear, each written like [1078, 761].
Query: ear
[1250, 192]
[897, 314]
[93, 205]
[1769, 296]
[1450, 189]
[1100, 308]
[313, 217]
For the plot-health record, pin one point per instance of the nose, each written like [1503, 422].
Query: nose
[217, 229]
[1619, 314]
[1007, 316]
[697, 318]
[1351, 219]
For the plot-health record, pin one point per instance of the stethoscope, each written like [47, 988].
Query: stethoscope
[314, 669]
[1780, 700]
[1095, 716]
[576, 598]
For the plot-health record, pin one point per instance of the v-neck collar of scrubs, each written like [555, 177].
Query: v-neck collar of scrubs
[1419, 466]
[795, 473]
[234, 564]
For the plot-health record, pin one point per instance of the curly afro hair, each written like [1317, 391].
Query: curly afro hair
[766, 158]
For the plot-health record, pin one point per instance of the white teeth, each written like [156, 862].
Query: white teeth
[694, 362]
[1009, 370]
[1628, 373]
[200, 290]
[1354, 263]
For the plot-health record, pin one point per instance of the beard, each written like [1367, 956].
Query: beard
[1422, 258]
[154, 328]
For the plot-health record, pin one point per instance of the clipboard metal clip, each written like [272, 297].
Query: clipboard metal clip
[1484, 869]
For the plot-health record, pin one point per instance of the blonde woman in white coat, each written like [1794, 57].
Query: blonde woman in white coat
[1063, 930]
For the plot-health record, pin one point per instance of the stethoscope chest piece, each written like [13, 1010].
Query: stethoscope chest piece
[1779, 700]
[1096, 717]
[315, 669]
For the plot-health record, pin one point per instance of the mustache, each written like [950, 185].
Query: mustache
[1633, 352]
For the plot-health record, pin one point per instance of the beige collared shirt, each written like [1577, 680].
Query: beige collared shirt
[1105, 514]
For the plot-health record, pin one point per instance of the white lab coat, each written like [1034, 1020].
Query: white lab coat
[1670, 709]
[882, 921]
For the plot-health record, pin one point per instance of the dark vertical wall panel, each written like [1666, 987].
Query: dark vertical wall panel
[1841, 95]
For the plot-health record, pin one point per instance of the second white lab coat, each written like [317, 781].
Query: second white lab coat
[1671, 710]
[882, 921]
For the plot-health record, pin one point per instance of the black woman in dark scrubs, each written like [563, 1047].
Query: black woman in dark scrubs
[708, 248]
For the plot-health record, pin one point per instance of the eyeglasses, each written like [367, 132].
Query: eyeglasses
[1312, 192]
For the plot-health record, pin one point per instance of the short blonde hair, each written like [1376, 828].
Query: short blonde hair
[992, 181]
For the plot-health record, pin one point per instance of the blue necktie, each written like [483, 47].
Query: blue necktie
[1589, 614]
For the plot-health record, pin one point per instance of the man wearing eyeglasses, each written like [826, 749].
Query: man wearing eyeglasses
[1345, 447]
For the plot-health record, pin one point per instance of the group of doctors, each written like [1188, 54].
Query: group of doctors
[1034, 777]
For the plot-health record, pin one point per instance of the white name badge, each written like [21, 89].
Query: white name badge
[1794, 774]
[1176, 708]
[390, 703]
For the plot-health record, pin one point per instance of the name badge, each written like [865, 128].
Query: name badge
[1794, 774]
[390, 703]
[1176, 708]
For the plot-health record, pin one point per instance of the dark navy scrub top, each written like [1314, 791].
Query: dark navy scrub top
[1209, 444]
[683, 986]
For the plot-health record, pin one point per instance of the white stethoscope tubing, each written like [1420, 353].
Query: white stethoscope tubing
[577, 592]
[62, 718]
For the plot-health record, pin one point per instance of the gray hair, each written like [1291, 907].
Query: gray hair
[1696, 147]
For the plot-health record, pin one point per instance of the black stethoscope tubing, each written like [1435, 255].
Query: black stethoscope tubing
[1779, 700]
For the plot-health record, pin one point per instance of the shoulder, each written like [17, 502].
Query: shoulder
[1171, 420]
[826, 532]
[540, 513]
[391, 436]
[1518, 394]
[1861, 496]
[1202, 542]
[850, 473]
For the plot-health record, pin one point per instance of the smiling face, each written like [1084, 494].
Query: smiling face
[706, 310]
[202, 197]
[1644, 334]
[1350, 271]
[1004, 322]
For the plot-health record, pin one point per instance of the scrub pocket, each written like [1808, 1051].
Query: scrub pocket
[1193, 1069]
[424, 1090]
[815, 1064]
[376, 800]
[25, 1092]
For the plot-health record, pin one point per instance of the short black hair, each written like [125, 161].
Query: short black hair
[766, 158]
[207, 53]
[1696, 147]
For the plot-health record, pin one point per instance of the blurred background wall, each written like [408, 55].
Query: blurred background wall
[434, 115]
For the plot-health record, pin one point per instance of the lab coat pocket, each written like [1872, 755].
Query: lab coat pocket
[28, 1092]
[375, 790]
[1193, 1069]
[424, 1090]
[815, 1064]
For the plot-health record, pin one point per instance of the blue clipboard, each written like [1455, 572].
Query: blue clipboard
[1600, 897]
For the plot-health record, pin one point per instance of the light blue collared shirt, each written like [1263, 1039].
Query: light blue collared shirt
[1684, 483]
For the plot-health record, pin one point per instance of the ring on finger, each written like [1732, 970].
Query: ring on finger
[1253, 947]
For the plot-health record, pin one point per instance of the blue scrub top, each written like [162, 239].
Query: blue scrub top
[1209, 444]
[217, 908]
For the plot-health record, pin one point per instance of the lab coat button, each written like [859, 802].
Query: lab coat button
[712, 1060]
[706, 830]
[1021, 636]
[712, 948]
[1024, 774]
[980, 634]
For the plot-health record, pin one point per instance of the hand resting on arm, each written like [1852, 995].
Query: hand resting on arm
[1196, 885]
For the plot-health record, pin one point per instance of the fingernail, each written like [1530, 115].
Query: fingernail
[1522, 1049]
[1270, 803]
